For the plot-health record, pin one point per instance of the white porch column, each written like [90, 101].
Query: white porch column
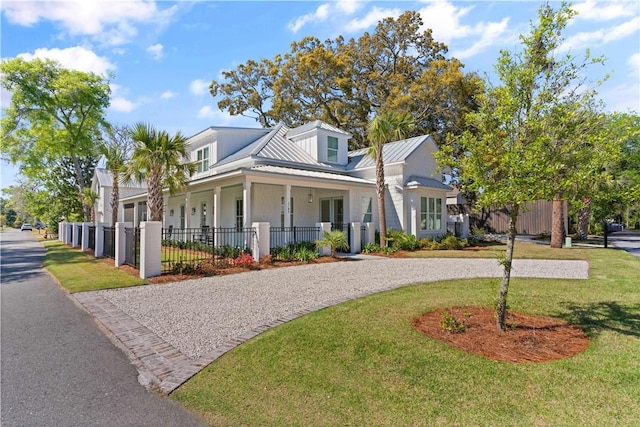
[99, 250]
[414, 216]
[165, 207]
[261, 241]
[121, 242]
[287, 206]
[187, 210]
[324, 227]
[150, 249]
[246, 203]
[84, 244]
[354, 244]
[217, 195]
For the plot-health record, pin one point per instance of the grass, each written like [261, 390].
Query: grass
[362, 363]
[77, 271]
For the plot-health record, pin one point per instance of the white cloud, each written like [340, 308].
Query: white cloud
[5, 98]
[371, 18]
[156, 51]
[207, 112]
[199, 87]
[168, 94]
[122, 105]
[445, 20]
[593, 10]
[348, 7]
[602, 36]
[221, 118]
[319, 15]
[77, 58]
[111, 22]
[634, 63]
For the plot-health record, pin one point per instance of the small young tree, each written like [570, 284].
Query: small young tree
[519, 140]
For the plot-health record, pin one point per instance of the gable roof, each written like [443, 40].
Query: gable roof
[105, 179]
[317, 124]
[273, 146]
[392, 152]
[422, 181]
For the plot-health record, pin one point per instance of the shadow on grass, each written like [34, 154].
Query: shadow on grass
[596, 317]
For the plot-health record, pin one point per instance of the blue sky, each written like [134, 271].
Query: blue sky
[162, 55]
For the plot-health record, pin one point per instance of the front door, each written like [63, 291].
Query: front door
[332, 210]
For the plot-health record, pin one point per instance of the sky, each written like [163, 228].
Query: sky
[161, 56]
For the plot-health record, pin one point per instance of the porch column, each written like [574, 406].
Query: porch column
[246, 203]
[216, 213]
[136, 215]
[165, 207]
[187, 210]
[371, 232]
[414, 215]
[287, 206]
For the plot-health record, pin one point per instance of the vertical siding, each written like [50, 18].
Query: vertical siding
[534, 218]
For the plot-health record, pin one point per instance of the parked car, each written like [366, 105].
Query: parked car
[26, 226]
[614, 226]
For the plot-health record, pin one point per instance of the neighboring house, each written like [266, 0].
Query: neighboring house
[102, 185]
[303, 176]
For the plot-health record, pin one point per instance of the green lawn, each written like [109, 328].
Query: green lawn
[362, 362]
[77, 271]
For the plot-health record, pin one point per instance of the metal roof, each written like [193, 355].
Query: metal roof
[317, 124]
[392, 152]
[311, 174]
[422, 181]
[105, 179]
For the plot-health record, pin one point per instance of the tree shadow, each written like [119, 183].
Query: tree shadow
[596, 317]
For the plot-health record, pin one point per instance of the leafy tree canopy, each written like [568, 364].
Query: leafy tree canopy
[346, 83]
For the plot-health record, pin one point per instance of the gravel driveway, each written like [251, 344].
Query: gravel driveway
[197, 316]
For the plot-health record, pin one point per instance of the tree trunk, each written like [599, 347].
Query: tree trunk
[501, 308]
[583, 218]
[380, 193]
[115, 200]
[155, 200]
[557, 221]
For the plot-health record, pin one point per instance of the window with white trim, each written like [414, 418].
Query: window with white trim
[203, 159]
[366, 209]
[430, 213]
[332, 149]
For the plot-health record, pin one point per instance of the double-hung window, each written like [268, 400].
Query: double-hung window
[203, 159]
[332, 149]
[430, 213]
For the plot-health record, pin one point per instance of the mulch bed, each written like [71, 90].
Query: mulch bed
[529, 338]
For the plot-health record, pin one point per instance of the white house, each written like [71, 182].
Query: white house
[300, 177]
[102, 185]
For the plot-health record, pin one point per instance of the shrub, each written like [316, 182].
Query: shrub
[244, 260]
[403, 241]
[336, 240]
[305, 254]
[449, 322]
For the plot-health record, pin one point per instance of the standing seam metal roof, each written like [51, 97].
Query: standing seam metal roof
[392, 152]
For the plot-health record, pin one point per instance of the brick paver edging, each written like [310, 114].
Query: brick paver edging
[159, 364]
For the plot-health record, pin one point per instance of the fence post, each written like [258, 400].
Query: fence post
[371, 232]
[99, 250]
[354, 244]
[61, 231]
[150, 249]
[324, 227]
[261, 240]
[121, 242]
[84, 244]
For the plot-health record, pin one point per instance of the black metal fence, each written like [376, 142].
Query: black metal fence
[283, 236]
[92, 237]
[132, 247]
[363, 235]
[79, 235]
[109, 240]
[183, 249]
[345, 227]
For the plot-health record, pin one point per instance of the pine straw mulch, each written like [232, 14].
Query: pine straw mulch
[529, 338]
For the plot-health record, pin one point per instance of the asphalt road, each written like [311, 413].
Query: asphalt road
[57, 367]
[627, 240]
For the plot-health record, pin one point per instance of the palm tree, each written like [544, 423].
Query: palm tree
[116, 151]
[336, 240]
[162, 161]
[89, 198]
[386, 127]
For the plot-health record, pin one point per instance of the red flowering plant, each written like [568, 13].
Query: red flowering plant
[243, 260]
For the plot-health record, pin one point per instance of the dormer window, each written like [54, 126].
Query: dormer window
[332, 149]
[203, 159]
